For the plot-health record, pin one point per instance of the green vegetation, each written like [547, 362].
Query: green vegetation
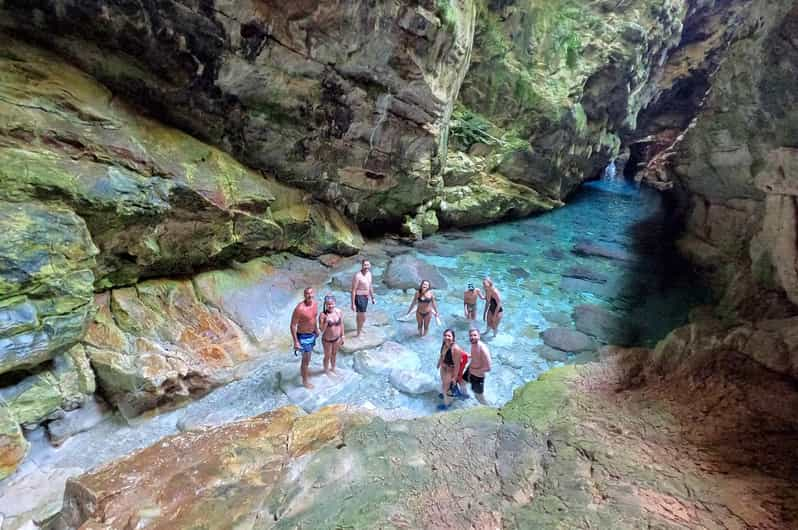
[447, 14]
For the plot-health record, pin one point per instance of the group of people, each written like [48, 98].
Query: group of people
[307, 324]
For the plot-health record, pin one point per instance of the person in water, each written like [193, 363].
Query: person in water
[331, 327]
[304, 331]
[448, 366]
[362, 289]
[470, 298]
[494, 309]
[479, 367]
[424, 298]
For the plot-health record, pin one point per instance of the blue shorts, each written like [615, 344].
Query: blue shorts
[306, 341]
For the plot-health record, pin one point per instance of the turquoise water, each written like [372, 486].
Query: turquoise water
[541, 278]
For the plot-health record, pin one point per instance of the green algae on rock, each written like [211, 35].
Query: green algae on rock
[155, 200]
[46, 296]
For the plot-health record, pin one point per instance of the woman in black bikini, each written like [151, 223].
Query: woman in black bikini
[494, 309]
[448, 366]
[424, 298]
[331, 327]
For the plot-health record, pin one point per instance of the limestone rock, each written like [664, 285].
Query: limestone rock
[371, 337]
[48, 393]
[551, 354]
[91, 413]
[488, 197]
[155, 200]
[13, 446]
[414, 383]
[157, 342]
[46, 281]
[568, 340]
[350, 101]
[262, 447]
[602, 250]
[327, 389]
[604, 325]
[406, 272]
[386, 359]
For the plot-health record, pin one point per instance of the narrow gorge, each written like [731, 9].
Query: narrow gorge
[173, 174]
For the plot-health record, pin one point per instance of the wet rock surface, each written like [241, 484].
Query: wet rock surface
[406, 272]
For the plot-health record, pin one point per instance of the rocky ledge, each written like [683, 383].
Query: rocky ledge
[585, 447]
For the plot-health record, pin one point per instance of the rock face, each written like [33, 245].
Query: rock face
[406, 272]
[739, 167]
[351, 100]
[13, 445]
[553, 86]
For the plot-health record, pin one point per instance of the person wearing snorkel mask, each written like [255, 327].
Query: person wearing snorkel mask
[470, 298]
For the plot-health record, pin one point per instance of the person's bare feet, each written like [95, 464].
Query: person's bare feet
[307, 384]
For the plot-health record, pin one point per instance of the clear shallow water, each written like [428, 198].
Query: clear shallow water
[528, 260]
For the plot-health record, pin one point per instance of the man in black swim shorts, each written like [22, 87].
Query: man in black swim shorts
[362, 289]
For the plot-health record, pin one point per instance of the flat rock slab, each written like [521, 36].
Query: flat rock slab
[414, 383]
[568, 340]
[550, 354]
[585, 273]
[557, 317]
[33, 497]
[371, 337]
[605, 325]
[387, 358]
[602, 250]
[326, 389]
[91, 413]
[374, 317]
[407, 272]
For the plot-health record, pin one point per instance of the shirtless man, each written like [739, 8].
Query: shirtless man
[480, 365]
[304, 331]
[362, 289]
[470, 298]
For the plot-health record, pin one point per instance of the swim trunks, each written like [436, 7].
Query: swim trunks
[477, 383]
[306, 341]
[361, 303]
[472, 308]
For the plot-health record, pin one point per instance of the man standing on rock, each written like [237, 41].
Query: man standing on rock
[304, 331]
[480, 365]
[362, 289]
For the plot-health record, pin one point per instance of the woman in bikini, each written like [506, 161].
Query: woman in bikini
[424, 298]
[494, 309]
[331, 327]
[448, 366]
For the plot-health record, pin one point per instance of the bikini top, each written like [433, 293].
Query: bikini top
[424, 300]
[333, 322]
[448, 357]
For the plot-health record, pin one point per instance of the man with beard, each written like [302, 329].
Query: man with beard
[479, 367]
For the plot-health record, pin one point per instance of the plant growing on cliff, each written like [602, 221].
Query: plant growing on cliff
[468, 128]
[446, 13]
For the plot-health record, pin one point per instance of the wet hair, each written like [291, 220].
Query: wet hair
[489, 281]
[422, 285]
[454, 337]
[328, 298]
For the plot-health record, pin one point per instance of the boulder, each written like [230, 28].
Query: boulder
[557, 317]
[46, 291]
[374, 317]
[386, 359]
[414, 383]
[13, 446]
[406, 272]
[585, 273]
[371, 337]
[568, 340]
[550, 354]
[604, 325]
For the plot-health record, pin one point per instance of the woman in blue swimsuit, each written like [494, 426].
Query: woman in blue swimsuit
[424, 298]
[331, 328]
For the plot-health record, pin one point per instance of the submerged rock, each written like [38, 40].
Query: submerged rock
[406, 272]
[605, 325]
[386, 359]
[568, 340]
[327, 389]
[414, 382]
